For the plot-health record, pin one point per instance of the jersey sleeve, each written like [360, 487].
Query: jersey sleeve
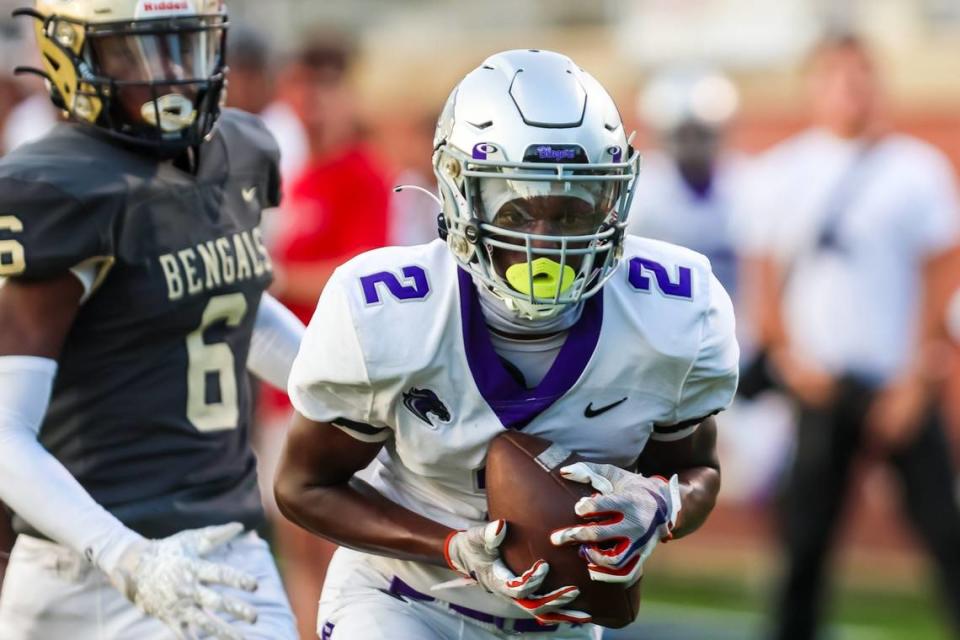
[711, 382]
[45, 232]
[329, 380]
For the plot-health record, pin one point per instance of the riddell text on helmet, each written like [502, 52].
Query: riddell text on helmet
[181, 5]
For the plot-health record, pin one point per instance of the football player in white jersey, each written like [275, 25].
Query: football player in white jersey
[536, 313]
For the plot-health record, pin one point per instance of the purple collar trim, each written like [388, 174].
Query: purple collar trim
[513, 404]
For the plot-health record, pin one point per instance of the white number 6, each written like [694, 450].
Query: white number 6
[11, 252]
[215, 359]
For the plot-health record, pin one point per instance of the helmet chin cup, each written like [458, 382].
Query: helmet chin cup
[170, 113]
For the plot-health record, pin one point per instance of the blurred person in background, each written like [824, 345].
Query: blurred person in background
[336, 208]
[851, 240]
[686, 191]
[413, 219]
[251, 86]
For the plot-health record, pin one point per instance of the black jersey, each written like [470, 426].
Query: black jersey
[151, 404]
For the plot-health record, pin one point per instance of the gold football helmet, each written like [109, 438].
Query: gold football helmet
[150, 72]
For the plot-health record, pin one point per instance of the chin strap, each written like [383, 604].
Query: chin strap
[502, 319]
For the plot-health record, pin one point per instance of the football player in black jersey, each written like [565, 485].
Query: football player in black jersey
[133, 306]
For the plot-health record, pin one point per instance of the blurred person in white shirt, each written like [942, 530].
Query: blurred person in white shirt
[688, 192]
[852, 240]
[687, 189]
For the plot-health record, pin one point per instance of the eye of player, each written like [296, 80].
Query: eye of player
[549, 215]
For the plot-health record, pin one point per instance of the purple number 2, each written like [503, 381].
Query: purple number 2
[417, 289]
[682, 288]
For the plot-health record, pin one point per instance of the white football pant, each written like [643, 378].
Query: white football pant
[52, 593]
[360, 603]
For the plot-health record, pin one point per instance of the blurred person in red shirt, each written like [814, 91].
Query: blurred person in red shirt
[338, 205]
[335, 208]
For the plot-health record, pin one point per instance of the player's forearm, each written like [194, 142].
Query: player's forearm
[694, 460]
[354, 515]
[699, 489]
[316, 488]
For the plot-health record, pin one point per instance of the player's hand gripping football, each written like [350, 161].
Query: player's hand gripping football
[626, 519]
[475, 553]
[168, 579]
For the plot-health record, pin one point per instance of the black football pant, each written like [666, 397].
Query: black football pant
[814, 496]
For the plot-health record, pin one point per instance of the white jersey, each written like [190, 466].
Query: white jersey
[398, 352]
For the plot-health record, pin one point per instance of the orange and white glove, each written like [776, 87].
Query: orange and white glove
[626, 519]
[475, 554]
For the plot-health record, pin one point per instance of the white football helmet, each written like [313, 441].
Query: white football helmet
[536, 176]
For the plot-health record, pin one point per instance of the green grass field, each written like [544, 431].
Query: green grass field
[688, 607]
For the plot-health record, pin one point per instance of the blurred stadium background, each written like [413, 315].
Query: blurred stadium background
[717, 584]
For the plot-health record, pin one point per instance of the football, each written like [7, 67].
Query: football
[524, 487]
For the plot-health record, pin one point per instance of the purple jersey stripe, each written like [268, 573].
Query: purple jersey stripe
[515, 405]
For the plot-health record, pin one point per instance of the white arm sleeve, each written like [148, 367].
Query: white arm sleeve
[712, 380]
[276, 339]
[34, 484]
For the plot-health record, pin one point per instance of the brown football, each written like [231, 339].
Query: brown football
[524, 487]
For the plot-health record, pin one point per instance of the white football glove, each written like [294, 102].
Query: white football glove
[629, 516]
[166, 579]
[474, 553]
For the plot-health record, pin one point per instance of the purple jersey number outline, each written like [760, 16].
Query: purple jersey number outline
[417, 290]
[682, 288]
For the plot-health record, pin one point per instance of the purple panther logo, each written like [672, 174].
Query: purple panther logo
[423, 402]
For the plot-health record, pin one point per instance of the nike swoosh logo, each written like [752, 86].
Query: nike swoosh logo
[590, 412]
[249, 194]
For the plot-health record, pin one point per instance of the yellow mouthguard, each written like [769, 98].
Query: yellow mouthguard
[547, 279]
